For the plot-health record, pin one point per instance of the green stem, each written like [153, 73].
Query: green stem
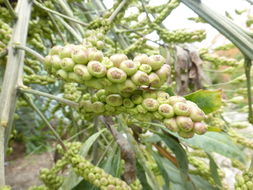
[36, 92]
[70, 29]
[59, 14]
[247, 66]
[11, 10]
[2, 170]
[58, 28]
[14, 66]
[30, 101]
[29, 50]
[117, 10]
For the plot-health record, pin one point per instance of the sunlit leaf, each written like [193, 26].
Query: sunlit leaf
[208, 100]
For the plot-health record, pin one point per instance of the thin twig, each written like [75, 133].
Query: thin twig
[59, 14]
[36, 92]
[69, 28]
[29, 50]
[11, 10]
[30, 101]
[116, 11]
[57, 28]
[127, 153]
[145, 10]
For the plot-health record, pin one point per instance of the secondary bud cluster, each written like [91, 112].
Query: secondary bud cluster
[88, 66]
[5, 34]
[94, 38]
[177, 114]
[94, 175]
[244, 181]
[136, 185]
[50, 177]
[180, 36]
[71, 92]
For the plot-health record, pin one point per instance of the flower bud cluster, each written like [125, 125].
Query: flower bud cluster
[71, 92]
[136, 185]
[176, 113]
[88, 66]
[94, 38]
[217, 60]
[180, 36]
[38, 79]
[50, 178]
[93, 174]
[244, 181]
[240, 139]
[5, 34]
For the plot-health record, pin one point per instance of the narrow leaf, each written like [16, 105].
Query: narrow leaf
[214, 170]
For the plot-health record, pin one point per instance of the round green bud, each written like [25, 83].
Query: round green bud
[141, 109]
[100, 44]
[184, 123]
[107, 63]
[47, 62]
[101, 92]
[145, 68]
[110, 187]
[181, 109]
[87, 105]
[67, 50]
[110, 108]
[128, 103]
[154, 80]
[140, 78]
[200, 128]
[105, 81]
[156, 61]
[249, 184]
[62, 74]
[98, 107]
[137, 99]
[114, 88]
[114, 100]
[117, 59]
[196, 114]
[67, 64]
[95, 55]
[150, 104]
[116, 75]
[149, 94]
[166, 110]
[56, 61]
[142, 59]
[80, 56]
[91, 177]
[129, 66]
[55, 50]
[157, 116]
[128, 86]
[73, 77]
[175, 99]
[163, 97]
[185, 134]
[164, 72]
[93, 83]
[96, 69]
[171, 124]
[82, 71]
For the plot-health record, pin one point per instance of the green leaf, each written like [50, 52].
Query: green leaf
[72, 179]
[225, 26]
[182, 160]
[112, 164]
[142, 176]
[162, 170]
[208, 100]
[214, 170]
[217, 142]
